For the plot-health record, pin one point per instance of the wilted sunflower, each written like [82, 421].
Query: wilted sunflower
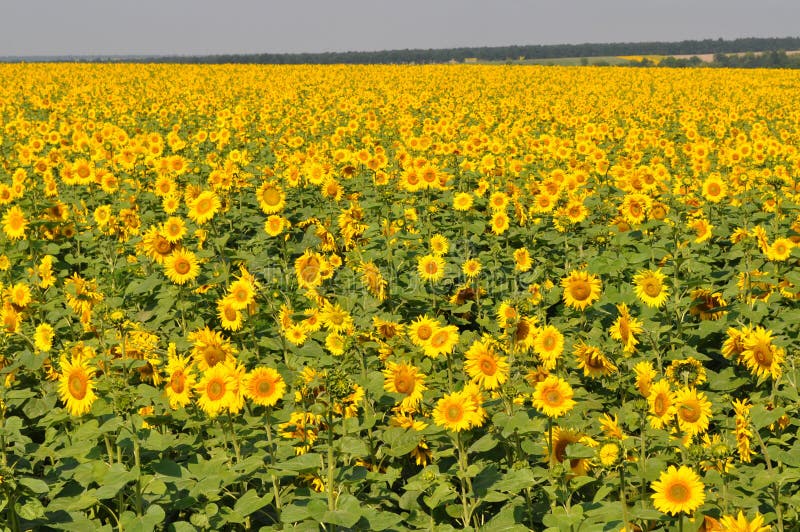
[75, 385]
[484, 366]
[553, 396]
[678, 491]
[581, 289]
[650, 288]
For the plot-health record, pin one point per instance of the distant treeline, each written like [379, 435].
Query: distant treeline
[771, 59]
[507, 53]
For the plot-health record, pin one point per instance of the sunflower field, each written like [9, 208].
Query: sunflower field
[399, 297]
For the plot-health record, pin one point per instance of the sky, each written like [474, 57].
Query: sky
[187, 27]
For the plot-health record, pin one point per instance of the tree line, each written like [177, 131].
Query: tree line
[720, 47]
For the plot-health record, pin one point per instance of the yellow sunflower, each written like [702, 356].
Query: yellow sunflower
[650, 288]
[558, 453]
[404, 379]
[204, 206]
[216, 390]
[271, 197]
[661, 404]
[181, 381]
[264, 386]
[421, 330]
[740, 523]
[181, 266]
[484, 366]
[75, 385]
[43, 337]
[678, 491]
[780, 250]
[549, 344]
[581, 289]
[761, 357]
[592, 361]
[230, 318]
[431, 267]
[553, 396]
[455, 411]
[442, 341]
[693, 410]
[14, 223]
[625, 328]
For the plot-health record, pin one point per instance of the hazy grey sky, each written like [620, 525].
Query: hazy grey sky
[90, 27]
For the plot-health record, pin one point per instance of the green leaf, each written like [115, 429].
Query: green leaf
[486, 443]
[516, 480]
[31, 510]
[250, 502]
[400, 441]
[34, 484]
[762, 417]
[304, 462]
[145, 523]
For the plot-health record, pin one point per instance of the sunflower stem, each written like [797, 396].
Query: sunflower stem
[275, 484]
[622, 498]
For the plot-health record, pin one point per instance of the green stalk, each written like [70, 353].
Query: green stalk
[275, 484]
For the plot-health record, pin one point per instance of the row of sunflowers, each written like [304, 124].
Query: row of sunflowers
[398, 297]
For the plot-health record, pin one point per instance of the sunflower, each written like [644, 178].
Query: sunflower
[693, 409]
[522, 260]
[264, 386]
[241, 294]
[686, 372]
[204, 206]
[230, 318]
[181, 380]
[210, 348]
[43, 337]
[581, 289]
[707, 305]
[455, 411]
[275, 225]
[678, 490]
[741, 410]
[714, 188]
[462, 201]
[650, 288]
[75, 385]
[271, 198]
[661, 404]
[173, 230]
[557, 454]
[216, 390]
[553, 396]
[308, 269]
[608, 454]
[439, 245]
[421, 330]
[373, 279]
[181, 266]
[431, 267]
[740, 523]
[507, 314]
[734, 343]
[761, 357]
[19, 295]
[442, 341]
[610, 427]
[702, 229]
[404, 379]
[592, 361]
[499, 222]
[644, 377]
[549, 344]
[335, 318]
[14, 223]
[485, 366]
[635, 207]
[780, 250]
[625, 328]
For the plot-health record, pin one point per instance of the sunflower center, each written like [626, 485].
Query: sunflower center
[439, 339]
[660, 405]
[230, 313]
[271, 197]
[652, 287]
[182, 266]
[77, 386]
[177, 382]
[454, 413]
[553, 397]
[690, 411]
[431, 268]
[713, 189]
[549, 342]
[162, 245]
[404, 384]
[580, 290]
[216, 390]
[678, 493]
[203, 206]
[763, 355]
[265, 388]
[488, 366]
[310, 270]
[424, 332]
[213, 356]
